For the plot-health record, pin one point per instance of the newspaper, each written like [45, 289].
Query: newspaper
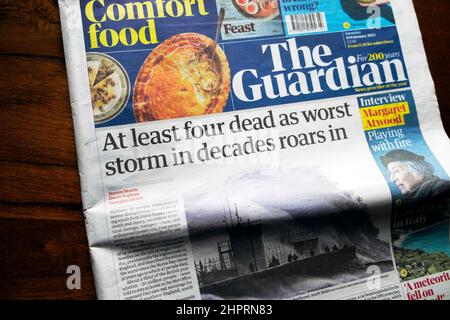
[258, 149]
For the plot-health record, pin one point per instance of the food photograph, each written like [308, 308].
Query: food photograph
[213, 151]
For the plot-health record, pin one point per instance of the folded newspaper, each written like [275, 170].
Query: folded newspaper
[258, 149]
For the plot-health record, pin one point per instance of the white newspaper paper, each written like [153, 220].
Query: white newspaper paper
[236, 149]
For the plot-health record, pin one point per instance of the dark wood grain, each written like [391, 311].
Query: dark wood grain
[38, 244]
[436, 38]
[42, 229]
[36, 112]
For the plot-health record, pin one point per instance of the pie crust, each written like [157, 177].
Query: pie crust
[182, 77]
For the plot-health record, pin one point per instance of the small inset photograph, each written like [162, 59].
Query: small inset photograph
[420, 218]
[277, 234]
[257, 9]
[359, 9]
[109, 84]
[250, 18]
[415, 177]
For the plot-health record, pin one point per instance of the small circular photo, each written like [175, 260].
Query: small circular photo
[109, 84]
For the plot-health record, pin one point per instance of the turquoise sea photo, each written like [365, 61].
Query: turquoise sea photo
[434, 239]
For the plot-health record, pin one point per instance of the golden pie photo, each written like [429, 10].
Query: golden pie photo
[186, 75]
[109, 84]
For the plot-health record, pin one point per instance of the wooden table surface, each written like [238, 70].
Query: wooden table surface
[41, 224]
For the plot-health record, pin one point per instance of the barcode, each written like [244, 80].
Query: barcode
[304, 23]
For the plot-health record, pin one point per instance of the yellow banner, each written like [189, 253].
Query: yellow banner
[384, 116]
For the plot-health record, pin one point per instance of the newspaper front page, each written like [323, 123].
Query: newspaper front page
[258, 149]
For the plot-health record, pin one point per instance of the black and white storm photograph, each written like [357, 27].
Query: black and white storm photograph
[280, 233]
